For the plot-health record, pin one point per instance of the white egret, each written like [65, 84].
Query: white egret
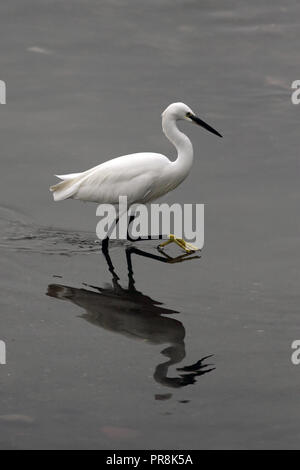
[141, 177]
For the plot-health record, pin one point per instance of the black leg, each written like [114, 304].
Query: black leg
[129, 251]
[105, 243]
[107, 257]
[131, 280]
[164, 259]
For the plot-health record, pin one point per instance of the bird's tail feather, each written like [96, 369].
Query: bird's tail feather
[68, 177]
[65, 189]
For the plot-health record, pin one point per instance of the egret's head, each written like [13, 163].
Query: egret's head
[180, 111]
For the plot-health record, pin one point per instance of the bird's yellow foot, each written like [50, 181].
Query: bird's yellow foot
[186, 246]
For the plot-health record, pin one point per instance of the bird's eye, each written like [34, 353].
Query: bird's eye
[188, 114]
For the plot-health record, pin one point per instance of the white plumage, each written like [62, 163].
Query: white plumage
[142, 177]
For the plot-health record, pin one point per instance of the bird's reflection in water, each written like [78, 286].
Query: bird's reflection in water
[131, 313]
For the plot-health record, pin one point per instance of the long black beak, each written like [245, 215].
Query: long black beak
[203, 124]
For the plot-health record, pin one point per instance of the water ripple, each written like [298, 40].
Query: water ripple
[18, 233]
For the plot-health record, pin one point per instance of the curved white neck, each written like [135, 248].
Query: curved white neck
[183, 145]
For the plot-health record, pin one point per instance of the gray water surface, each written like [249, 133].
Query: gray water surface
[91, 359]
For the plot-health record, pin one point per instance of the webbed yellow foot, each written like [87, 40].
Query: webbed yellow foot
[186, 246]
